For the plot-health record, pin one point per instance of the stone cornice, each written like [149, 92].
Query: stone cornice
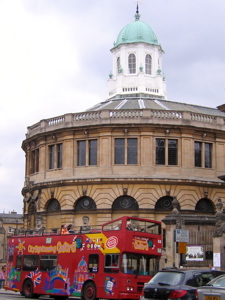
[115, 117]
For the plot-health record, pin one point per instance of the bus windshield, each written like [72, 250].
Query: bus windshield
[139, 264]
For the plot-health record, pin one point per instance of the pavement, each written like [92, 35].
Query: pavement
[3, 291]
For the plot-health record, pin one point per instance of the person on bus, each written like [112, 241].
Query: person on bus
[64, 229]
[70, 228]
[129, 226]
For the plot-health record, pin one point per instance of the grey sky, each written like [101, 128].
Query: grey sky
[55, 59]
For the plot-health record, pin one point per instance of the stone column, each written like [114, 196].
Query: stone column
[219, 235]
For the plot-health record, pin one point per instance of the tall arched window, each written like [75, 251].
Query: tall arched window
[148, 64]
[118, 65]
[132, 63]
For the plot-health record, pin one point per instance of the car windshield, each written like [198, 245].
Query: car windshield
[169, 278]
[219, 281]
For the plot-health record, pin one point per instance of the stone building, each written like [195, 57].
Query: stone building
[10, 223]
[130, 154]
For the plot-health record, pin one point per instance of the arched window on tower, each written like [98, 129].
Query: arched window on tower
[125, 202]
[205, 205]
[148, 64]
[132, 63]
[85, 203]
[118, 65]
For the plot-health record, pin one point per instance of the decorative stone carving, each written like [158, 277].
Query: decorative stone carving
[176, 212]
[220, 219]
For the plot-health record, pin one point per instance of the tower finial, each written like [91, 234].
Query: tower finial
[137, 11]
[137, 15]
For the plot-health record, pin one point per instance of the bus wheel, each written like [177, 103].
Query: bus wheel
[89, 291]
[28, 289]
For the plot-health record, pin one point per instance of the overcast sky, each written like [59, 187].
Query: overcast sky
[55, 59]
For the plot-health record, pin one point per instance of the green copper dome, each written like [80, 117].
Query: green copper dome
[136, 32]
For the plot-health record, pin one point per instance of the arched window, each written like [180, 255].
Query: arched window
[164, 203]
[118, 65]
[148, 64]
[205, 205]
[85, 203]
[132, 63]
[53, 205]
[125, 202]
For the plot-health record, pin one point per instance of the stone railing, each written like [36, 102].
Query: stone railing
[166, 114]
[125, 114]
[102, 117]
[87, 116]
[202, 118]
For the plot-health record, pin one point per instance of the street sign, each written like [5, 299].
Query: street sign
[181, 235]
[181, 247]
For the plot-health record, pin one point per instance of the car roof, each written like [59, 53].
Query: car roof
[185, 270]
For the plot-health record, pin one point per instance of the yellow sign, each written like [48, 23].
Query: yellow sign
[181, 247]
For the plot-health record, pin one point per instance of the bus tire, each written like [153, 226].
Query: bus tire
[89, 291]
[28, 289]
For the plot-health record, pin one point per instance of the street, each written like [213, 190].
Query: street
[13, 295]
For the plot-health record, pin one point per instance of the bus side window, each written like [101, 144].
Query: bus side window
[93, 263]
[19, 262]
[30, 262]
[111, 263]
[48, 262]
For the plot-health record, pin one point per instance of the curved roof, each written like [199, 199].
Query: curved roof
[136, 32]
[142, 102]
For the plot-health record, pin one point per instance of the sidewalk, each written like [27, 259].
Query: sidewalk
[3, 291]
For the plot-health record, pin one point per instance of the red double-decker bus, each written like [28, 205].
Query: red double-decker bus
[111, 263]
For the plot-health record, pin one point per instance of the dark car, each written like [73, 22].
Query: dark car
[177, 283]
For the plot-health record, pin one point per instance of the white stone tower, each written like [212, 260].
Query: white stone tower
[137, 63]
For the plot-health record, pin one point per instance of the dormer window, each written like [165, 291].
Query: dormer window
[148, 64]
[132, 63]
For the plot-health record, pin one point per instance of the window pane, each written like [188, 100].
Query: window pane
[93, 152]
[19, 262]
[59, 157]
[160, 151]
[148, 64]
[51, 156]
[198, 154]
[48, 262]
[32, 162]
[131, 151]
[172, 152]
[119, 151]
[132, 64]
[81, 151]
[118, 65]
[93, 263]
[208, 155]
[30, 262]
[37, 160]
